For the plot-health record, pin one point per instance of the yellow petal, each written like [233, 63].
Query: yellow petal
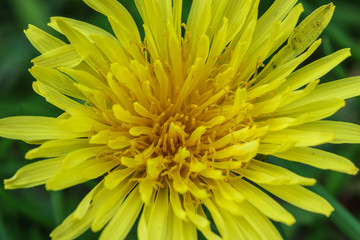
[97, 169]
[343, 132]
[175, 49]
[177, 6]
[271, 174]
[179, 229]
[302, 138]
[199, 219]
[232, 226]
[96, 98]
[142, 228]
[64, 56]
[112, 8]
[86, 170]
[146, 188]
[125, 116]
[163, 81]
[41, 40]
[247, 229]
[218, 43]
[239, 151]
[34, 174]
[212, 173]
[200, 9]
[301, 197]
[310, 29]
[226, 204]
[111, 49]
[242, 41]
[84, 47]
[262, 225]
[320, 159]
[34, 128]
[56, 148]
[176, 204]
[197, 191]
[61, 101]
[154, 167]
[304, 35]
[268, 106]
[277, 124]
[56, 80]
[278, 10]
[83, 27]
[315, 70]
[218, 219]
[82, 124]
[156, 16]
[84, 205]
[78, 156]
[195, 135]
[191, 81]
[270, 148]
[343, 89]
[151, 43]
[125, 77]
[126, 36]
[260, 89]
[71, 228]
[86, 79]
[240, 135]
[229, 192]
[259, 50]
[263, 202]
[236, 12]
[283, 70]
[129, 210]
[310, 112]
[287, 26]
[178, 181]
[158, 215]
[299, 94]
[107, 204]
[115, 177]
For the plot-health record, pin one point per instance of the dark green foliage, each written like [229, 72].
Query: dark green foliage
[32, 213]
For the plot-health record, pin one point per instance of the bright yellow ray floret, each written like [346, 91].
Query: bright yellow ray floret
[175, 126]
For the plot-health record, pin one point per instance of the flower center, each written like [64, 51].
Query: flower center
[171, 133]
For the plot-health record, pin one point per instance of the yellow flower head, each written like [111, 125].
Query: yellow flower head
[176, 126]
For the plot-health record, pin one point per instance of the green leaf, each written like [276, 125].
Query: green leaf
[57, 200]
[280, 228]
[341, 217]
[328, 49]
[340, 36]
[3, 230]
[25, 207]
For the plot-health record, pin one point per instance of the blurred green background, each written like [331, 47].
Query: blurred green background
[32, 213]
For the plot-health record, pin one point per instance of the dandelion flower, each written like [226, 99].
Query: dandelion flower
[175, 126]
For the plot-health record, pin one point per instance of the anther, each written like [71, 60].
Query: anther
[164, 143]
[172, 146]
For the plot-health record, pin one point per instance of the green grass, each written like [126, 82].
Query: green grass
[32, 213]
